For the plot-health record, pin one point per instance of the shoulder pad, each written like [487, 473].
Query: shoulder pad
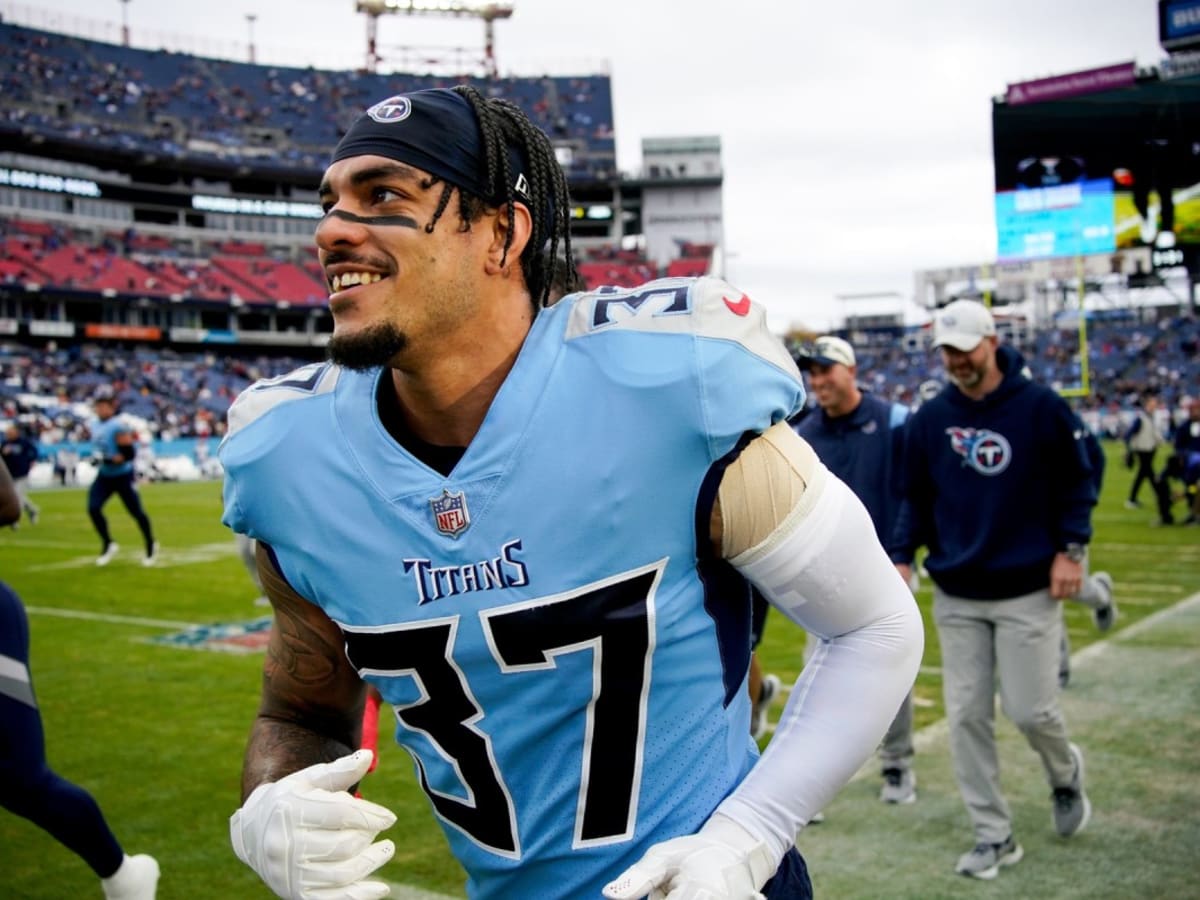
[266, 394]
[705, 307]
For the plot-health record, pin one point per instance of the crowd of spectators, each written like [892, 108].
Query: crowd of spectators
[1129, 352]
[177, 106]
[47, 390]
[179, 394]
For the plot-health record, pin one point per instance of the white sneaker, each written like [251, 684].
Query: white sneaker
[110, 550]
[1072, 809]
[137, 879]
[985, 860]
[899, 786]
[766, 693]
[1104, 616]
[152, 556]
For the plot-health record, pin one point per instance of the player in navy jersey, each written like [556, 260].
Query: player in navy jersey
[28, 786]
[532, 528]
[115, 447]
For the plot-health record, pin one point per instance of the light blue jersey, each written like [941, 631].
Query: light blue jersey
[567, 667]
[104, 437]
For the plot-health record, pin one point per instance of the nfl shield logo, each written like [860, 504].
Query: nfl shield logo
[450, 513]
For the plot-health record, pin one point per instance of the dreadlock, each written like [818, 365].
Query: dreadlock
[503, 124]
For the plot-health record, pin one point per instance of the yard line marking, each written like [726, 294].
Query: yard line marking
[1147, 549]
[22, 542]
[168, 557]
[108, 617]
[1149, 586]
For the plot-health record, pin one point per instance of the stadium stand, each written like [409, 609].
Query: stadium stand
[132, 102]
[123, 275]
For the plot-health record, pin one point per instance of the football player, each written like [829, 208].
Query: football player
[28, 786]
[532, 529]
[115, 448]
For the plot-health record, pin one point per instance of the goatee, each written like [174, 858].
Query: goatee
[368, 348]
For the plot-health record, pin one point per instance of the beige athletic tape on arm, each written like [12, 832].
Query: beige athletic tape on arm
[762, 486]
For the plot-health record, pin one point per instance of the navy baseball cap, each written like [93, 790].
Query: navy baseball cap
[434, 130]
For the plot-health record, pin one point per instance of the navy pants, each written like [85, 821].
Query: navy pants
[122, 485]
[27, 785]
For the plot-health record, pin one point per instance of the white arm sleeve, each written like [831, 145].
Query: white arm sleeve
[823, 568]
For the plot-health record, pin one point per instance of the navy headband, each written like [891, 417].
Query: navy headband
[434, 130]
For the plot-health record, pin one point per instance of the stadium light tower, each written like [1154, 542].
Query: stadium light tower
[250, 18]
[487, 12]
[124, 23]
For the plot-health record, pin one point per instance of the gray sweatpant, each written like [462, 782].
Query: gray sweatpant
[1017, 639]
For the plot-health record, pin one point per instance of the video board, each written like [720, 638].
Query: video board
[1095, 162]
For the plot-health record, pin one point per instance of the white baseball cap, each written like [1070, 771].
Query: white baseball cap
[828, 350]
[962, 325]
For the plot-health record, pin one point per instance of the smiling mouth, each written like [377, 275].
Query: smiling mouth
[345, 280]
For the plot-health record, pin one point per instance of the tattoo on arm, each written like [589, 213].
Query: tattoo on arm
[312, 698]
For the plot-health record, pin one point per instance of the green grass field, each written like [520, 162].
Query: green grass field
[156, 731]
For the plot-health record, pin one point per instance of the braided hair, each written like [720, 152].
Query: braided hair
[502, 124]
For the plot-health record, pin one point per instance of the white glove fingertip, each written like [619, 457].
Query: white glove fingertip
[375, 857]
[381, 818]
[629, 885]
[342, 773]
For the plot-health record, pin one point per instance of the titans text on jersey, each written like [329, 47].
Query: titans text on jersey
[502, 571]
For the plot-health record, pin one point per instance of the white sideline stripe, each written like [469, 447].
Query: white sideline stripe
[1101, 647]
[403, 892]
[108, 617]
[940, 730]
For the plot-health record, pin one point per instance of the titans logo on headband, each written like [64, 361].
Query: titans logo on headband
[393, 109]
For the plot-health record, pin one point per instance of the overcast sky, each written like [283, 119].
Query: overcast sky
[856, 136]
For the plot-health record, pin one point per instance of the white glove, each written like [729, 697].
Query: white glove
[722, 861]
[310, 840]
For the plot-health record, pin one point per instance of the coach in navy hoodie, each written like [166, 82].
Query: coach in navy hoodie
[999, 489]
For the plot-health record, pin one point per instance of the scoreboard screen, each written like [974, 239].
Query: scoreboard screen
[1098, 170]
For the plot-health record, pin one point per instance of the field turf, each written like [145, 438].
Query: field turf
[155, 730]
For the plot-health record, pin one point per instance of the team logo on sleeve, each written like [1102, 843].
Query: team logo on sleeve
[450, 513]
[987, 452]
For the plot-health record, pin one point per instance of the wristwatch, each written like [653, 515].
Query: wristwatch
[1075, 552]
